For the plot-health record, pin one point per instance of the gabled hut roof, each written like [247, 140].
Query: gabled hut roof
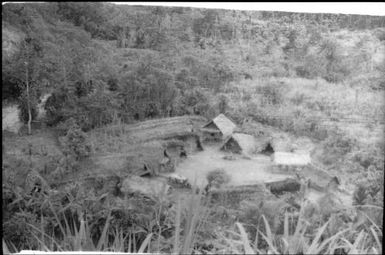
[287, 158]
[223, 124]
[246, 142]
[319, 176]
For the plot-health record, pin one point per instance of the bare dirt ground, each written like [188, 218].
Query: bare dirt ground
[242, 171]
[10, 119]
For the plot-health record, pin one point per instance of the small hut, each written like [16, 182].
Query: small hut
[218, 128]
[289, 159]
[269, 145]
[325, 184]
[239, 143]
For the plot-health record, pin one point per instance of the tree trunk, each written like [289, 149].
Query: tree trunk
[28, 103]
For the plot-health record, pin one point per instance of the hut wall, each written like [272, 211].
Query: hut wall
[268, 149]
[212, 137]
[232, 146]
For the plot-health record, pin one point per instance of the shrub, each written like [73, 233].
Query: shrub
[223, 103]
[272, 93]
[380, 34]
[218, 177]
[336, 72]
[17, 231]
[75, 142]
[313, 67]
[360, 195]
[336, 146]
[336, 66]
[370, 156]
[194, 101]
[298, 98]
[54, 107]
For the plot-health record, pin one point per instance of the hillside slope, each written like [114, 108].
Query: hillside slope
[129, 86]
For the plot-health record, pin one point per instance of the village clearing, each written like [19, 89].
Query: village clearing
[142, 143]
[243, 170]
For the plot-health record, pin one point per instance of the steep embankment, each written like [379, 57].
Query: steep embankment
[117, 149]
[123, 148]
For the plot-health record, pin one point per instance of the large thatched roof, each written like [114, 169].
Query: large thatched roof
[223, 124]
[246, 142]
[287, 158]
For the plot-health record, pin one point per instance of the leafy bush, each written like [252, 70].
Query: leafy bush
[217, 178]
[313, 66]
[17, 231]
[336, 146]
[223, 103]
[193, 101]
[336, 73]
[76, 143]
[336, 68]
[380, 34]
[272, 92]
[360, 195]
[54, 107]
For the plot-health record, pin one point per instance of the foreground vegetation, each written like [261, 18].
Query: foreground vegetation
[314, 75]
[185, 226]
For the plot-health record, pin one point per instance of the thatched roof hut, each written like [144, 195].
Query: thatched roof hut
[239, 143]
[272, 144]
[319, 178]
[291, 159]
[146, 186]
[220, 124]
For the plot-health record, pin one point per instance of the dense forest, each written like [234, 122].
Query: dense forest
[99, 54]
[314, 75]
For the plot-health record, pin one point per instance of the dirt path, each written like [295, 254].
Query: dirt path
[242, 171]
